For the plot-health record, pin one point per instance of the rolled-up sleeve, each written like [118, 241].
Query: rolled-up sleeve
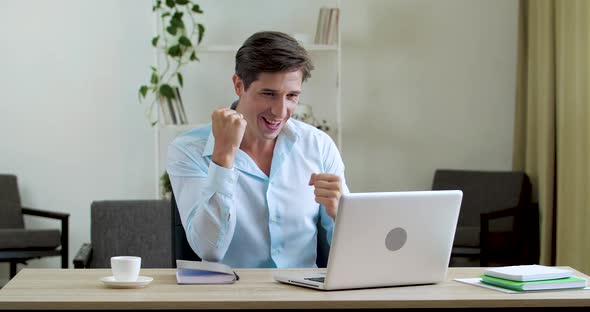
[204, 195]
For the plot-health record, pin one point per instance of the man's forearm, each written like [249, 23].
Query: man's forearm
[210, 227]
[206, 207]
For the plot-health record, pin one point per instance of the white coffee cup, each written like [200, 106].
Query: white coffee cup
[125, 268]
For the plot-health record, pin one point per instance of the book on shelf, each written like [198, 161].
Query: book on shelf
[320, 25]
[204, 272]
[327, 26]
[167, 110]
[333, 26]
[559, 283]
[181, 113]
[525, 273]
[173, 110]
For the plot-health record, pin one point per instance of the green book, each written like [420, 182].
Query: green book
[560, 283]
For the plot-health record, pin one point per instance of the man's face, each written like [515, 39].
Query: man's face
[268, 103]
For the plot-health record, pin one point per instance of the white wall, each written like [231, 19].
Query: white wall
[426, 84]
[71, 127]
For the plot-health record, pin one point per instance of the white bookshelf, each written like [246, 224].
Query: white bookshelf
[208, 85]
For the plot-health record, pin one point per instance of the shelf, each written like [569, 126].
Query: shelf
[234, 48]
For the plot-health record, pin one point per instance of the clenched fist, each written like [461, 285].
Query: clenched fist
[328, 190]
[228, 129]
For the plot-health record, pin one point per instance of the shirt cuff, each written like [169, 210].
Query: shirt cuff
[223, 180]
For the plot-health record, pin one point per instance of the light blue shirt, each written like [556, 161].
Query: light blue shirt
[240, 216]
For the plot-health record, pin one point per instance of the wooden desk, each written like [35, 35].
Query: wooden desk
[81, 289]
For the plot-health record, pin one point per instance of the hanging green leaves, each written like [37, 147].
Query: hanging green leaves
[143, 91]
[197, 9]
[201, 32]
[167, 91]
[179, 34]
[185, 41]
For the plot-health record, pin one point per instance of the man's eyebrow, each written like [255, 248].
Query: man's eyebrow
[276, 91]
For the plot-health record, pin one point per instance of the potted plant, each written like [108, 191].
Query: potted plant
[176, 44]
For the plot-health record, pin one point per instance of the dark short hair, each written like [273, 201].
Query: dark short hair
[271, 52]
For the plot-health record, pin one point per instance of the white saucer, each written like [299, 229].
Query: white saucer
[141, 282]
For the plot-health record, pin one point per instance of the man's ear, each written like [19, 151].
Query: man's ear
[238, 85]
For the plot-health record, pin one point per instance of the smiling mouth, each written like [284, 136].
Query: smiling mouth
[272, 124]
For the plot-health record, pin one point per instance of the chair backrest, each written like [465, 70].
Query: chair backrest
[9, 188]
[11, 215]
[131, 228]
[182, 250]
[484, 191]
[323, 248]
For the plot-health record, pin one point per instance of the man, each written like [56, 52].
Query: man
[251, 186]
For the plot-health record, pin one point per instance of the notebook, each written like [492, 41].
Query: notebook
[388, 239]
[203, 272]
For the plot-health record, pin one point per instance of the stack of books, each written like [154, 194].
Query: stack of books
[532, 277]
[327, 26]
[173, 110]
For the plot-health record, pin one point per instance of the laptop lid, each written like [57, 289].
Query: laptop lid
[392, 238]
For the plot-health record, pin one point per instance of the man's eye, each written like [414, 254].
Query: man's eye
[267, 93]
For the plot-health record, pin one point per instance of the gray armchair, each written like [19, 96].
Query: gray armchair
[498, 224]
[128, 228]
[18, 244]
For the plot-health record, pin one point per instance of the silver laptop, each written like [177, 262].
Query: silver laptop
[388, 239]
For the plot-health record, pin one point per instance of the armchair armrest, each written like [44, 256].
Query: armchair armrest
[82, 258]
[487, 216]
[64, 217]
[45, 213]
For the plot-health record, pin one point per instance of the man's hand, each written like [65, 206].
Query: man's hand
[328, 189]
[228, 129]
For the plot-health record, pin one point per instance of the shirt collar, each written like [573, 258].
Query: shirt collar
[285, 142]
[288, 132]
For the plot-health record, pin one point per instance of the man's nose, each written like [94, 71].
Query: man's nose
[279, 109]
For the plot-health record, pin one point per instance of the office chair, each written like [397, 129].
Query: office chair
[18, 244]
[182, 250]
[498, 224]
[127, 228]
